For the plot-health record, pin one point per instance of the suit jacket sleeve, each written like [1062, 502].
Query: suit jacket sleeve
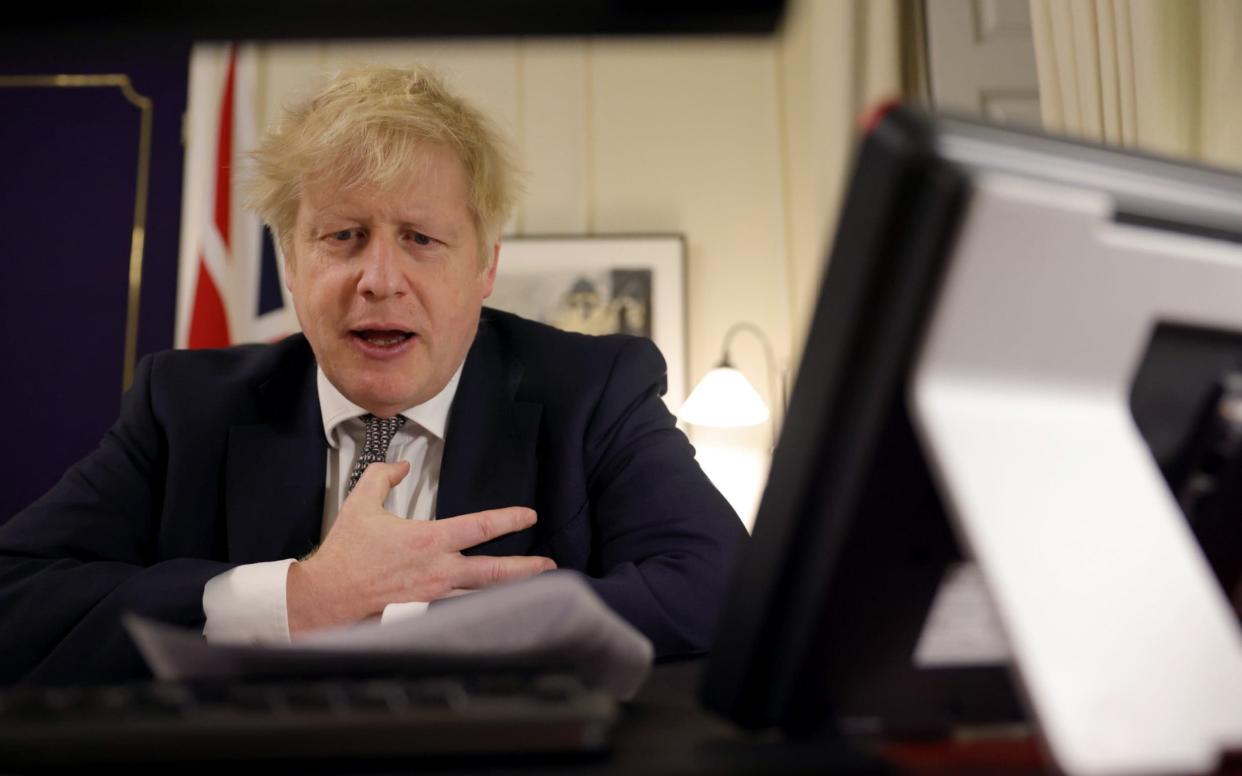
[665, 536]
[78, 558]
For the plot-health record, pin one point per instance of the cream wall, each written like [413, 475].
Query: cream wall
[735, 143]
[837, 58]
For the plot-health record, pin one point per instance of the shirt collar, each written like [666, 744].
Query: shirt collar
[431, 415]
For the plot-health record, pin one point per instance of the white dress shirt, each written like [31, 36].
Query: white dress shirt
[248, 603]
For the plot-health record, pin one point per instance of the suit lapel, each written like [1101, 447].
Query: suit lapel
[489, 450]
[276, 468]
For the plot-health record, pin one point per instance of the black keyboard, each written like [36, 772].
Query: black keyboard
[355, 718]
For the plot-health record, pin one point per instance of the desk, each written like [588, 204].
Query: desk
[664, 730]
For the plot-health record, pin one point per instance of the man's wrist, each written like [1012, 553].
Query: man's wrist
[307, 609]
[312, 605]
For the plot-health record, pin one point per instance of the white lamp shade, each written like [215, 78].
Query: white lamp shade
[724, 397]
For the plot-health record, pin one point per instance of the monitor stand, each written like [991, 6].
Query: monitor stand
[1126, 649]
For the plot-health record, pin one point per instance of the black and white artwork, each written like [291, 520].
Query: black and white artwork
[600, 285]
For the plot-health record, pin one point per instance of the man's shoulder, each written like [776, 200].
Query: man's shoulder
[535, 341]
[218, 371]
[554, 361]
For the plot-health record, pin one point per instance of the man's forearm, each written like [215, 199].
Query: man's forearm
[61, 620]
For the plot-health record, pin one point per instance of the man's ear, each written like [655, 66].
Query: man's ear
[489, 278]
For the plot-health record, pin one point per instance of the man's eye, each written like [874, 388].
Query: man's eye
[343, 235]
[421, 239]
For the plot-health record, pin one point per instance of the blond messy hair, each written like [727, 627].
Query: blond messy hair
[366, 128]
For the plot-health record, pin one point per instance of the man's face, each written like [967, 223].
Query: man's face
[388, 285]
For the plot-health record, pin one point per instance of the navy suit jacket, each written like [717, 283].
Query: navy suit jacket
[218, 459]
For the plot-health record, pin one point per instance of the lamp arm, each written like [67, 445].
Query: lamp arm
[776, 392]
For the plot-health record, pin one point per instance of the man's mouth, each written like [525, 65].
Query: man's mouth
[382, 338]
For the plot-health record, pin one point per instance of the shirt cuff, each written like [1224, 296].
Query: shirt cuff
[247, 604]
[400, 612]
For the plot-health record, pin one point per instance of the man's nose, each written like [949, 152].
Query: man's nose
[382, 268]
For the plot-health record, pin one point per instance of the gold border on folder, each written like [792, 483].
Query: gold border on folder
[138, 235]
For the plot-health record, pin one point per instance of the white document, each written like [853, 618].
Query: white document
[550, 622]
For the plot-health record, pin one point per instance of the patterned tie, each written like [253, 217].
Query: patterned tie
[380, 432]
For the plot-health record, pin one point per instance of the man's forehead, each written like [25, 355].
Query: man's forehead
[424, 188]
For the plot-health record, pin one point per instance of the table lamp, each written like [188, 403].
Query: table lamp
[725, 398]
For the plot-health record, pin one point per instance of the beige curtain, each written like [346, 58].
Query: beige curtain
[1160, 75]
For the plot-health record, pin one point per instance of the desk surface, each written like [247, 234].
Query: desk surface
[664, 730]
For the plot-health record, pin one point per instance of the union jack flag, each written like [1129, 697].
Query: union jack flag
[229, 286]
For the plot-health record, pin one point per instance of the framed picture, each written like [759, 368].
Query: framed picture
[602, 285]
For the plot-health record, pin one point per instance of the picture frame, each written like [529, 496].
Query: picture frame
[602, 285]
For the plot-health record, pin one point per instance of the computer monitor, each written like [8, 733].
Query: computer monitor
[992, 297]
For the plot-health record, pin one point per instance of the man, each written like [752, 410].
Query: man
[263, 491]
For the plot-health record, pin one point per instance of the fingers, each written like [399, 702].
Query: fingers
[378, 479]
[463, 531]
[479, 571]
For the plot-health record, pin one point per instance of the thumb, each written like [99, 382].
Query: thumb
[378, 479]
